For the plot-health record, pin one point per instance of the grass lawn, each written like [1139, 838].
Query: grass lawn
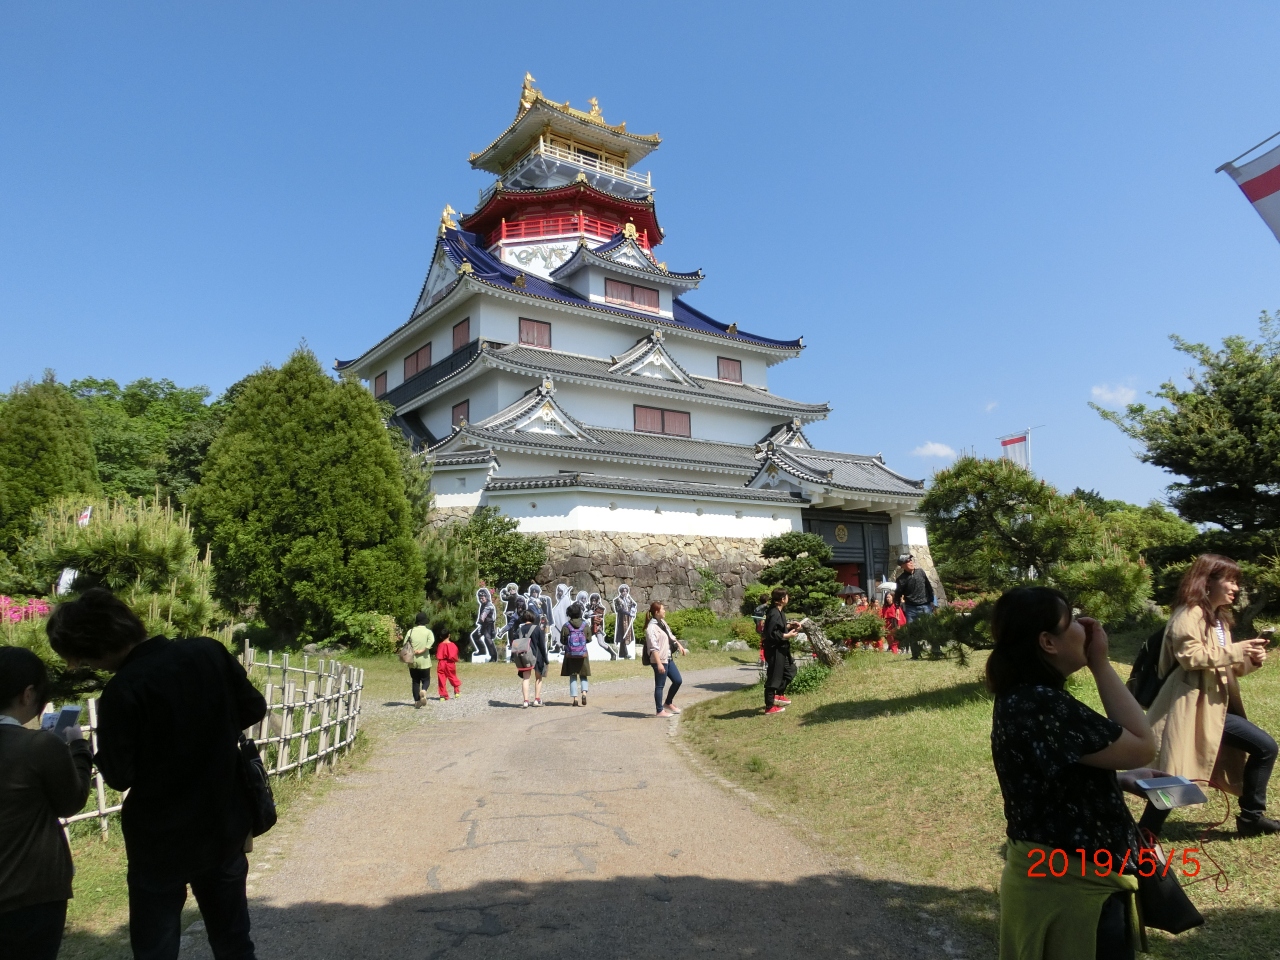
[887, 765]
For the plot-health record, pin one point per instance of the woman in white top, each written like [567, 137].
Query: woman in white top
[658, 643]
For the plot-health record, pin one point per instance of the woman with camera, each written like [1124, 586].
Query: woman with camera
[1057, 762]
[1198, 716]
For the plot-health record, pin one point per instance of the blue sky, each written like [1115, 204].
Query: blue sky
[976, 214]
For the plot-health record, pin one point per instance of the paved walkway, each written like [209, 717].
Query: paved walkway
[553, 832]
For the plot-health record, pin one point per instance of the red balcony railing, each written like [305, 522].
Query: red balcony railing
[561, 226]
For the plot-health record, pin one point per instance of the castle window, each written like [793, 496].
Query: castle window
[380, 384]
[632, 295]
[728, 369]
[674, 423]
[461, 412]
[461, 333]
[535, 333]
[417, 361]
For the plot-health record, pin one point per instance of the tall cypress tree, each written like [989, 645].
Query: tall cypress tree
[46, 451]
[303, 503]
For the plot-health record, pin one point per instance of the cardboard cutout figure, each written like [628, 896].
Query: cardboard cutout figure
[593, 611]
[624, 612]
[513, 607]
[559, 617]
[541, 605]
[482, 646]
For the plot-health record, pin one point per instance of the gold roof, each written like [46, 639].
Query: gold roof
[587, 125]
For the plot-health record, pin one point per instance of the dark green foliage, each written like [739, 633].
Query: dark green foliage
[993, 525]
[452, 578]
[809, 678]
[865, 626]
[681, 620]
[752, 596]
[1220, 432]
[709, 587]
[504, 554]
[134, 426]
[800, 566]
[46, 451]
[302, 499]
[416, 471]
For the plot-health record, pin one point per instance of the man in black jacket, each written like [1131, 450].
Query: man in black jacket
[781, 666]
[169, 723]
[914, 594]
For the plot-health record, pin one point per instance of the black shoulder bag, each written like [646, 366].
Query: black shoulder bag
[257, 787]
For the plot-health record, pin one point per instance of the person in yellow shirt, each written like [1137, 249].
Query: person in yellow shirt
[423, 639]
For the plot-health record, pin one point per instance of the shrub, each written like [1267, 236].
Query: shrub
[809, 678]
[505, 555]
[744, 628]
[680, 620]
[371, 633]
[753, 596]
[865, 626]
[800, 565]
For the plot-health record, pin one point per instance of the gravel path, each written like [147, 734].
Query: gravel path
[485, 830]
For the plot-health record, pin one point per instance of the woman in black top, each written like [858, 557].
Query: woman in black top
[1056, 760]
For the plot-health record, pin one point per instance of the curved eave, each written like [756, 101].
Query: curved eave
[586, 257]
[640, 212]
[675, 491]
[812, 413]
[513, 445]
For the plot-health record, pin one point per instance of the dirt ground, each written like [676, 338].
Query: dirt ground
[495, 831]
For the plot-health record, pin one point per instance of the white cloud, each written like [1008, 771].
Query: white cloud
[992, 405]
[1114, 395]
[932, 449]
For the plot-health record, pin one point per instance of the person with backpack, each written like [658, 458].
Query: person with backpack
[1198, 716]
[446, 652]
[528, 648]
[658, 641]
[576, 665]
[418, 642]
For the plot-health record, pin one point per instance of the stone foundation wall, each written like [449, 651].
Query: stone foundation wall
[444, 515]
[657, 566]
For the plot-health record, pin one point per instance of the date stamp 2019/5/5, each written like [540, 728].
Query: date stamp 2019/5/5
[1103, 863]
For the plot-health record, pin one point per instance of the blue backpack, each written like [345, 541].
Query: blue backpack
[576, 644]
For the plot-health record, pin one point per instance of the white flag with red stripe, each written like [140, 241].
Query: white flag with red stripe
[1259, 180]
[1017, 448]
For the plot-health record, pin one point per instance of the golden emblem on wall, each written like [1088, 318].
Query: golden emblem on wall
[842, 533]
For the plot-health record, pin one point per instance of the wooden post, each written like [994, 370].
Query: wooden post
[286, 728]
[305, 748]
[99, 787]
[323, 747]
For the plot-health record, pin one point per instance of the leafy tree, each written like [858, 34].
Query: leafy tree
[140, 550]
[415, 471]
[452, 578]
[303, 502]
[993, 525]
[133, 427]
[504, 554]
[1220, 432]
[801, 566]
[45, 451]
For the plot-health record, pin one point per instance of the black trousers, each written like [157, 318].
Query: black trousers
[34, 932]
[782, 670]
[421, 678]
[155, 911]
[1261, 749]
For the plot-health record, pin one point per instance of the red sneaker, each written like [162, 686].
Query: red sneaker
[785, 701]
[775, 709]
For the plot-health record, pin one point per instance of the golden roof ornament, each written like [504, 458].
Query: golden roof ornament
[580, 178]
[518, 281]
[446, 219]
[528, 95]
[629, 230]
[733, 330]
[595, 109]
[663, 266]
[465, 268]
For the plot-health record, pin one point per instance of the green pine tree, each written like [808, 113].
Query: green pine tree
[46, 451]
[303, 502]
[801, 566]
[452, 577]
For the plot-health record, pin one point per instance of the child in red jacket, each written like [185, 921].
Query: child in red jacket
[447, 664]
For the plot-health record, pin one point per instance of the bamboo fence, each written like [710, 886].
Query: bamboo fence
[313, 716]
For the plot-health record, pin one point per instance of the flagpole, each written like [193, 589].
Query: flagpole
[1247, 152]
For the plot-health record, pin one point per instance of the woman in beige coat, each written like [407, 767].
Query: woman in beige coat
[1198, 717]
